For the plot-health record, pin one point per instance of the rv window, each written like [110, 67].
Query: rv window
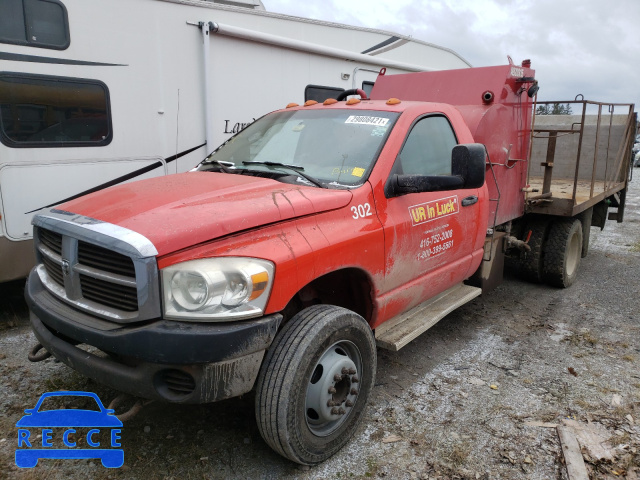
[37, 23]
[320, 93]
[44, 111]
[367, 87]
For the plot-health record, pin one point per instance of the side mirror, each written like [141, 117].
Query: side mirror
[467, 171]
[402, 184]
[469, 162]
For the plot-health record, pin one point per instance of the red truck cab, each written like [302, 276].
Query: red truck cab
[277, 263]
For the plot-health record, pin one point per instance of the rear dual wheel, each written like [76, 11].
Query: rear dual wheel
[531, 262]
[556, 247]
[562, 253]
[314, 383]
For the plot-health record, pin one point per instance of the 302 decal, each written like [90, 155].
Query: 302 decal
[361, 211]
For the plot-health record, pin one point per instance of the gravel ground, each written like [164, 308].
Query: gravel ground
[477, 396]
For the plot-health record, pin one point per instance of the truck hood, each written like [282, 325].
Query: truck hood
[179, 211]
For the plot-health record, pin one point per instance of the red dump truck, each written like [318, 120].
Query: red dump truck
[316, 234]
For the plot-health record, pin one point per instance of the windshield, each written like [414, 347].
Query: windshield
[334, 147]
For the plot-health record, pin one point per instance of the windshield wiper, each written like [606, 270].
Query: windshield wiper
[222, 164]
[296, 168]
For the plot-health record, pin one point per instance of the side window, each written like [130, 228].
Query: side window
[367, 87]
[45, 111]
[320, 93]
[427, 150]
[36, 23]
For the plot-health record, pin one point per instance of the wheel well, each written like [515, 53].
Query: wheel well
[349, 288]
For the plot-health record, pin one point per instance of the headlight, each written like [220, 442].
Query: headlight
[226, 288]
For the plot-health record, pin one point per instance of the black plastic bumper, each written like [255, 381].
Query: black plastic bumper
[172, 361]
[159, 341]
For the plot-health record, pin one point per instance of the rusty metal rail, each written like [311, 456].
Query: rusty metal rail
[609, 172]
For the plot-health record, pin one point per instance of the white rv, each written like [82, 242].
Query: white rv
[98, 92]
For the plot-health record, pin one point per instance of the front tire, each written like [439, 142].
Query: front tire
[563, 250]
[314, 383]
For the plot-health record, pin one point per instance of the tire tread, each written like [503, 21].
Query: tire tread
[554, 264]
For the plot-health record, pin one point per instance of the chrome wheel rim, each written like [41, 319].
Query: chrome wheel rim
[333, 388]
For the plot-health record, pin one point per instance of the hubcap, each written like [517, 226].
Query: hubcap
[333, 388]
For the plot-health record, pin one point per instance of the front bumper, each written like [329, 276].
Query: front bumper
[164, 360]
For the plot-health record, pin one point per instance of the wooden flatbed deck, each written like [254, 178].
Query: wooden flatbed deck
[563, 188]
[562, 194]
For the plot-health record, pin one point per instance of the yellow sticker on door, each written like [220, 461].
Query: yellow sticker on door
[429, 211]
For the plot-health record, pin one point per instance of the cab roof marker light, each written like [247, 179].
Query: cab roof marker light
[393, 101]
[309, 103]
[353, 101]
[292, 105]
[330, 101]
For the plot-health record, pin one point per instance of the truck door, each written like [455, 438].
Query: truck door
[430, 236]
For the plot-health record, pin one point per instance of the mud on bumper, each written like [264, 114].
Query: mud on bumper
[164, 360]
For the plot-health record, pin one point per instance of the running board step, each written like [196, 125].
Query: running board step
[400, 330]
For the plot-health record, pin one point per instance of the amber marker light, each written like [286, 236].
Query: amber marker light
[260, 282]
[308, 103]
[330, 101]
[393, 101]
[291, 105]
[353, 101]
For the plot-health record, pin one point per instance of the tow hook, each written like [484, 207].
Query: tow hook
[34, 356]
[133, 411]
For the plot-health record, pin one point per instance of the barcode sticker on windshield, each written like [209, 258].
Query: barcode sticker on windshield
[364, 120]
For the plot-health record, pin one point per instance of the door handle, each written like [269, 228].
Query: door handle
[469, 200]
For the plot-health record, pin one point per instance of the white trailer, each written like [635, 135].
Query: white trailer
[98, 92]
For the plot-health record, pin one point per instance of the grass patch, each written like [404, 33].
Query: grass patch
[608, 390]
[585, 405]
[589, 338]
[458, 454]
[377, 435]
[372, 467]
[583, 338]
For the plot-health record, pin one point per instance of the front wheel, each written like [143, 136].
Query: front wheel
[314, 383]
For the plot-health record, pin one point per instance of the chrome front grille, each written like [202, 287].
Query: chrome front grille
[110, 294]
[105, 259]
[100, 273]
[52, 240]
[54, 269]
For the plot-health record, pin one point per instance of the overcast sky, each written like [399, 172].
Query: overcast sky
[589, 46]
